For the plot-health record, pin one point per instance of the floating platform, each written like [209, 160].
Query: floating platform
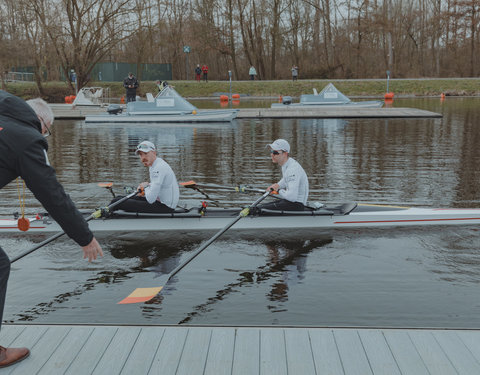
[168, 350]
[67, 111]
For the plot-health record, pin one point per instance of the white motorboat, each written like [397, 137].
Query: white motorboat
[167, 106]
[347, 215]
[328, 97]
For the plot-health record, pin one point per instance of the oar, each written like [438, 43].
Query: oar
[240, 188]
[95, 215]
[146, 294]
[108, 186]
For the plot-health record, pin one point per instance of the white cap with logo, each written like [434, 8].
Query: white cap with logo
[145, 146]
[280, 145]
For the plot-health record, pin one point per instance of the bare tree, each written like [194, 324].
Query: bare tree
[82, 32]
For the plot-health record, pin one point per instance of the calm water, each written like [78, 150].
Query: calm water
[390, 277]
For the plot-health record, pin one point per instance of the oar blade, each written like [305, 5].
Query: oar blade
[105, 184]
[141, 295]
[190, 183]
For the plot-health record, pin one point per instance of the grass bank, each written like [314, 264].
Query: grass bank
[55, 92]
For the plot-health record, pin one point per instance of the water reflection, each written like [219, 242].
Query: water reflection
[286, 264]
[426, 162]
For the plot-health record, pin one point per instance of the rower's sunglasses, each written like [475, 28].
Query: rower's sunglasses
[273, 152]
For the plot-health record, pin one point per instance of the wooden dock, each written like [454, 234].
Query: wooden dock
[82, 349]
[67, 111]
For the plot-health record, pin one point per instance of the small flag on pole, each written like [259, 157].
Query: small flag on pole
[141, 295]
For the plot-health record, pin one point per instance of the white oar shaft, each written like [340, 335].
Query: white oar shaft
[94, 215]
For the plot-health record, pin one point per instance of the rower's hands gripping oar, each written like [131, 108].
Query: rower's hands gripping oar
[87, 249]
[146, 294]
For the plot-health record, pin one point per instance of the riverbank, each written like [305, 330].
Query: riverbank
[55, 92]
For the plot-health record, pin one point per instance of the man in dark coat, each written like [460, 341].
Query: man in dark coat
[131, 84]
[23, 152]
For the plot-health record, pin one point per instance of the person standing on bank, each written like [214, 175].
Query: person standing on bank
[161, 194]
[293, 187]
[198, 73]
[252, 73]
[131, 84]
[23, 152]
[205, 72]
[294, 72]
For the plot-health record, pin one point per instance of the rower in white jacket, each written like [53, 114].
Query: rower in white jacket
[293, 187]
[161, 194]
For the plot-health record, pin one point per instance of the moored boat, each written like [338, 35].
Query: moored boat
[328, 97]
[347, 215]
[167, 106]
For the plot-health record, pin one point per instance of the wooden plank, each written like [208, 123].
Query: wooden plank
[246, 357]
[352, 354]
[195, 351]
[471, 339]
[66, 352]
[140, 359]
[9, 333]
[458, 353]
[378, 352]
[220, 352]
[325, 353]
[170, 350]
[299, 352]
[272, 351]
[432, 354]
[118, 351]
[41, 351]
[88, 357]
[405, 353]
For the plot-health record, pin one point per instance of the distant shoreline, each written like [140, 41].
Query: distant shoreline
[55, 92]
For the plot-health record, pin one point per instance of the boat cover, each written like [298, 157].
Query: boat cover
[329, 95]
[167, 101]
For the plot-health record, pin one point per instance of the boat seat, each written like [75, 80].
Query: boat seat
[342, 209]
[320, 212]
[346, 208]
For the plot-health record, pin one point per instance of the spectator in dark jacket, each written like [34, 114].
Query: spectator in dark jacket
[198, 73]
[131, 84]
[23, 152]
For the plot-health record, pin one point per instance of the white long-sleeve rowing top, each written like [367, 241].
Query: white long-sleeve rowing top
[163, 184]
[294, 182]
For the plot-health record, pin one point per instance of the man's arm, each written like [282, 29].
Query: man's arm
[290, 190]
[153, 189]
[42, 181]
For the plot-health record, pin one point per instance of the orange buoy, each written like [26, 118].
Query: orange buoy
[389, 95]
[223, 98]
[236, 96]
[122, 99]
[442, 96]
